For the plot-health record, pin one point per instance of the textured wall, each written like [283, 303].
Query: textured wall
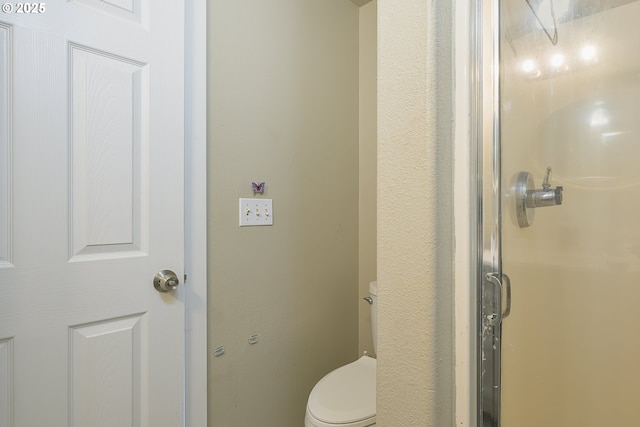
[283, 108]
[415, 356]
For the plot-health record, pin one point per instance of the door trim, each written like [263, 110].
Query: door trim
[465, 211]
[195, 289]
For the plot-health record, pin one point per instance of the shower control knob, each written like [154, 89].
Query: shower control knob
[527, 197]
[558, 192]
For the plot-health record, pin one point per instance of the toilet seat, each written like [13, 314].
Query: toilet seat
[345, 396]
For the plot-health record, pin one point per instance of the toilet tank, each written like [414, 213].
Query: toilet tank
[373, 293]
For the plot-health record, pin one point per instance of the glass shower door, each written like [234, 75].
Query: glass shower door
[569, 107]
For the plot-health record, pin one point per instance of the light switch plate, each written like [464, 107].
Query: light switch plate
[256, 212]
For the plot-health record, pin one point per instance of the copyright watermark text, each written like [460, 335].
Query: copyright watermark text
[24, 8]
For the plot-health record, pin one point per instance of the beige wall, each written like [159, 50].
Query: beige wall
[415, 355]
[283, 108]
[368, 167]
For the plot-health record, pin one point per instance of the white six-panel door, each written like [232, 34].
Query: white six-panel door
[91, 207]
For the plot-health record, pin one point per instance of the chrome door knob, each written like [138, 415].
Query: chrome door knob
[166, 281]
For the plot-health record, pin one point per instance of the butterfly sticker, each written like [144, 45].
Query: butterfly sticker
[258, 188]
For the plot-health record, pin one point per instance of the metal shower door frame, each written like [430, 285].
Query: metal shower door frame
[490, 281]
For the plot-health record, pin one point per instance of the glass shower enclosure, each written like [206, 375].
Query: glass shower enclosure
[559, 313]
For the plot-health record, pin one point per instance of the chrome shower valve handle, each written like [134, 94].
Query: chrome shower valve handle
[529, 198]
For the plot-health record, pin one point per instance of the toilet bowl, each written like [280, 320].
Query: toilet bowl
[346, 397]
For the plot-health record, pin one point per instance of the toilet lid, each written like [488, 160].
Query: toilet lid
[347, 394]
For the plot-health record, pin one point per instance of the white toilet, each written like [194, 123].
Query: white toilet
[346, 397]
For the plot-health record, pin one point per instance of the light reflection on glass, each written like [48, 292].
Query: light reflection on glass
[588, 53]
[560, 62]
[528, 66]
[599, 117]
[557, 60]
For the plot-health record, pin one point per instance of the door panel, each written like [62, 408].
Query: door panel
[5, 214]
[6, 383]
[91, 207]
[569, 92]
[107, 375]
[109, 209]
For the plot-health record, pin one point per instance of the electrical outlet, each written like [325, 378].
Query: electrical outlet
[256, 212]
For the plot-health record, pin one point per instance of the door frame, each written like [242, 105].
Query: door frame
[195, 251]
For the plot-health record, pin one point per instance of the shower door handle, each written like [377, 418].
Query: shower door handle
[502, 285]
[507, 288]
